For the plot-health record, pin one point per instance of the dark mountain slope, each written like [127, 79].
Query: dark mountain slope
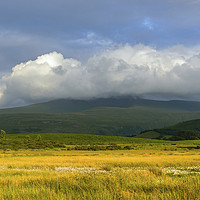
[102, 121]
[66, 105]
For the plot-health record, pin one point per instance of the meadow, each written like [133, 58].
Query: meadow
[152, 169]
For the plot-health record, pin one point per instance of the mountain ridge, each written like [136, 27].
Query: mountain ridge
[124, 116]
[70, 105]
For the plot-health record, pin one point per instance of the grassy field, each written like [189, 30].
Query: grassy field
[150, 169]
[69, 141]
[130, 174]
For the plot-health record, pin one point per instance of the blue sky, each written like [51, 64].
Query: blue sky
[81, 29]
[78, 28]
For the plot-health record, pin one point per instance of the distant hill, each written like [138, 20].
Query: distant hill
[67, 105]
[188, 130]
[124, 116]
[100, 121]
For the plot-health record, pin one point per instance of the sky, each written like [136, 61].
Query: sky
[88, 49]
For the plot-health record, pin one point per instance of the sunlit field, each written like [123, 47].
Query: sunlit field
[150, 173]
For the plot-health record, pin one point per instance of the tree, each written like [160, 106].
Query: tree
[39, 138]
[3, 134]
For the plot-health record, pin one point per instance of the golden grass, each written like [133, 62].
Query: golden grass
[97, 175]
[132, 158]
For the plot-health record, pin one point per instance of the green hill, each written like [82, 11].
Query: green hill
[122, 116]
[100, 121]
[67, 105]
[188, 130]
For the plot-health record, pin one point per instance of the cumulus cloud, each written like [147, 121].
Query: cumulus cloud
[125, 70]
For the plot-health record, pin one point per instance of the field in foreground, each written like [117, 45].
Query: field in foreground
[144, 173]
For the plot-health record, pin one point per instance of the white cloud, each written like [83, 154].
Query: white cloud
[125, 70]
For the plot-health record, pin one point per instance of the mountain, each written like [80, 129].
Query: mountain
[187, 130]
[100, 121]
[124, 116]
[68, 105]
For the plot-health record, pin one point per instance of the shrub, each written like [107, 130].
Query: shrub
[3, 134]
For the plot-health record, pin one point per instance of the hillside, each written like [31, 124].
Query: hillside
[188, 130]
[124, 116]
[100, 121]
[67, 105]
